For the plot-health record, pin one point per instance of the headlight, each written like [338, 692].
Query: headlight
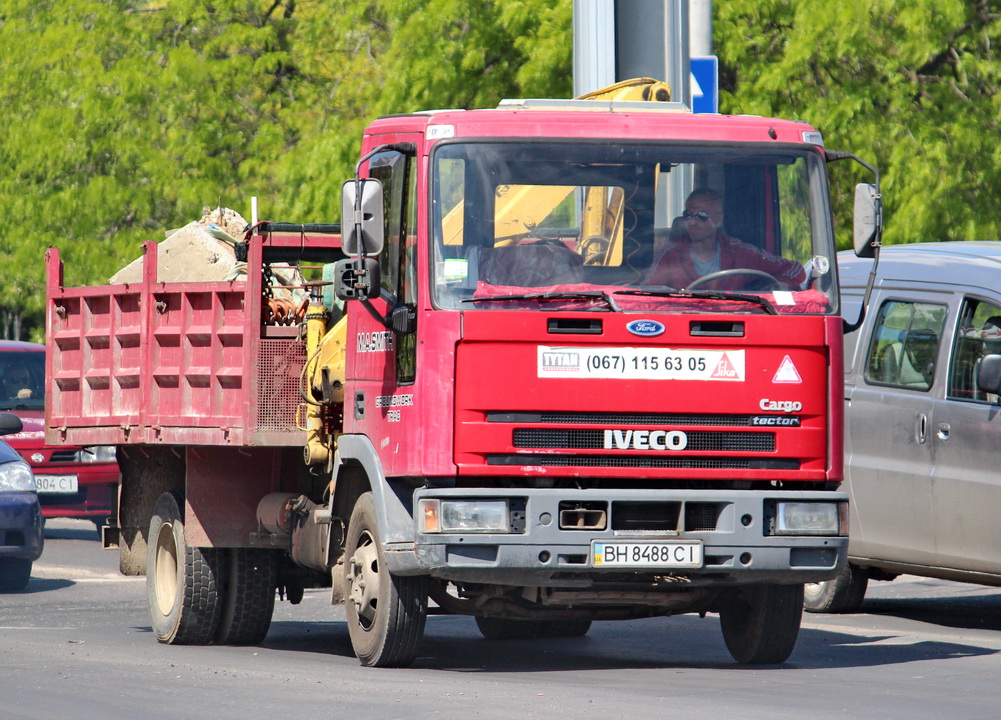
[449, 516]
[16, 477]
[97, 454]
[811, 518]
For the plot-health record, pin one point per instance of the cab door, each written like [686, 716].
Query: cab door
[379, 399]
[889, 408]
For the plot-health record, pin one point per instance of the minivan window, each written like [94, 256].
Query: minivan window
[979, 334]
[904, 347]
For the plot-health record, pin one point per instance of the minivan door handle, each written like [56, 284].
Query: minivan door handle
[921, 428]
[943, 431]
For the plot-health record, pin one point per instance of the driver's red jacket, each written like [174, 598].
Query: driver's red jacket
[675, 268]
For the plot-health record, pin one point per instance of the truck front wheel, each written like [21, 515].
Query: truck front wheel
[182, 583]
[386, 613]
[761, 623]
[842, 594]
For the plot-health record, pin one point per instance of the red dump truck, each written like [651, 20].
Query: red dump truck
[499, 398]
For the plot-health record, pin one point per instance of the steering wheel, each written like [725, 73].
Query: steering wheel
[594, 248]
[769, 282]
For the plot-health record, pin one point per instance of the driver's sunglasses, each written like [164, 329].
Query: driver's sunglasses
[700, 215]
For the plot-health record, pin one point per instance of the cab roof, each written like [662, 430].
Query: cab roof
[589, 119]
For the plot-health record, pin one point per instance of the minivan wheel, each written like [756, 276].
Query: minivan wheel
[842, 594]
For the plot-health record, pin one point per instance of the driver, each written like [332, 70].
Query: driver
[704, 248]
[17, 382]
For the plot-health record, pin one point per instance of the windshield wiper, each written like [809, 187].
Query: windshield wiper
[705, 295]
[576, 295]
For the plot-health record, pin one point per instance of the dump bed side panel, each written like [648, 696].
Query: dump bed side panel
[172, 363]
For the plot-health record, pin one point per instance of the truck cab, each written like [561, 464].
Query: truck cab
[566, 418]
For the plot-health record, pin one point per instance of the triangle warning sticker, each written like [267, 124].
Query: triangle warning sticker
[787, 372]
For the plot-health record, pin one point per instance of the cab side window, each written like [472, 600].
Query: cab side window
[904, 348]
[398, 273]
[979, 334]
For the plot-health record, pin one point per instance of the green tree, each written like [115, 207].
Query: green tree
[124, 118]
[910, 85]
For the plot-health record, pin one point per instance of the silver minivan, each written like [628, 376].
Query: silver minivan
[922, 419]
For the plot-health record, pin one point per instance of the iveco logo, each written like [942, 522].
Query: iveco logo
[37, 457]
[645, 440]
[780, 405]
[645, 328]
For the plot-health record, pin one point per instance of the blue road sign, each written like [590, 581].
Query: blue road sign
[705, 84]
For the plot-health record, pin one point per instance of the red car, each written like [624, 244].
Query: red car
[76, 482]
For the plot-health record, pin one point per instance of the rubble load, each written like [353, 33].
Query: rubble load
[204, 250]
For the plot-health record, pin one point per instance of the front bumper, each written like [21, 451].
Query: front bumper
[22, 530]
[737, 548]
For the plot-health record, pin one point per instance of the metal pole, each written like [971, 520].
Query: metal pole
[700, 27]
[593, 45]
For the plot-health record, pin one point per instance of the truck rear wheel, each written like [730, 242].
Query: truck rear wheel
[182, 582]
[842, 594]
[249, 596]
[761, 623]
[386, 613]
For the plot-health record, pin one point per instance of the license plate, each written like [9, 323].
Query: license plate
[647, 554]
[66, 484]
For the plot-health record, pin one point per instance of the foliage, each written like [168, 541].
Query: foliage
[910, 85]
[125, 118]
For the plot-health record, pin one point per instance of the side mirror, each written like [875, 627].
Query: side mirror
[10, 424]
[868, 219]
[364, 227]
[989, 374]
[350, 283]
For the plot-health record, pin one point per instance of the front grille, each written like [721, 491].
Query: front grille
[643, 461]
[566, 418]
[63, 456]
[595, 440]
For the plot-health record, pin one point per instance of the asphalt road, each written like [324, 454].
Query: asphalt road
[77, 646]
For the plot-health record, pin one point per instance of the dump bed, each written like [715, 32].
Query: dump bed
[183, 363]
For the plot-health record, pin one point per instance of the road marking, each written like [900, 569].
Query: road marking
[79, 575]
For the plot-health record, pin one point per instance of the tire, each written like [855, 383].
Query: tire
[14, 574]
[386, 613]
[841, 594]
[249, 596]
[182, 582]
[494, 628]
[761, 623]
[565, 628]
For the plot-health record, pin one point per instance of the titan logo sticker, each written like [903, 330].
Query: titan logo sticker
[560, 360]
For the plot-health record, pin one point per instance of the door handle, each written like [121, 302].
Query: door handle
[943, 431]
[921, 428]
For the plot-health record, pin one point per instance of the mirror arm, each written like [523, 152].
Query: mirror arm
[877, 240]
[848, 327]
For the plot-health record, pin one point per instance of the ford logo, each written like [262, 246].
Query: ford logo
[645, 328]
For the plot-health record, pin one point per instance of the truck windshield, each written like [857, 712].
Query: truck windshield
[562, 225]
